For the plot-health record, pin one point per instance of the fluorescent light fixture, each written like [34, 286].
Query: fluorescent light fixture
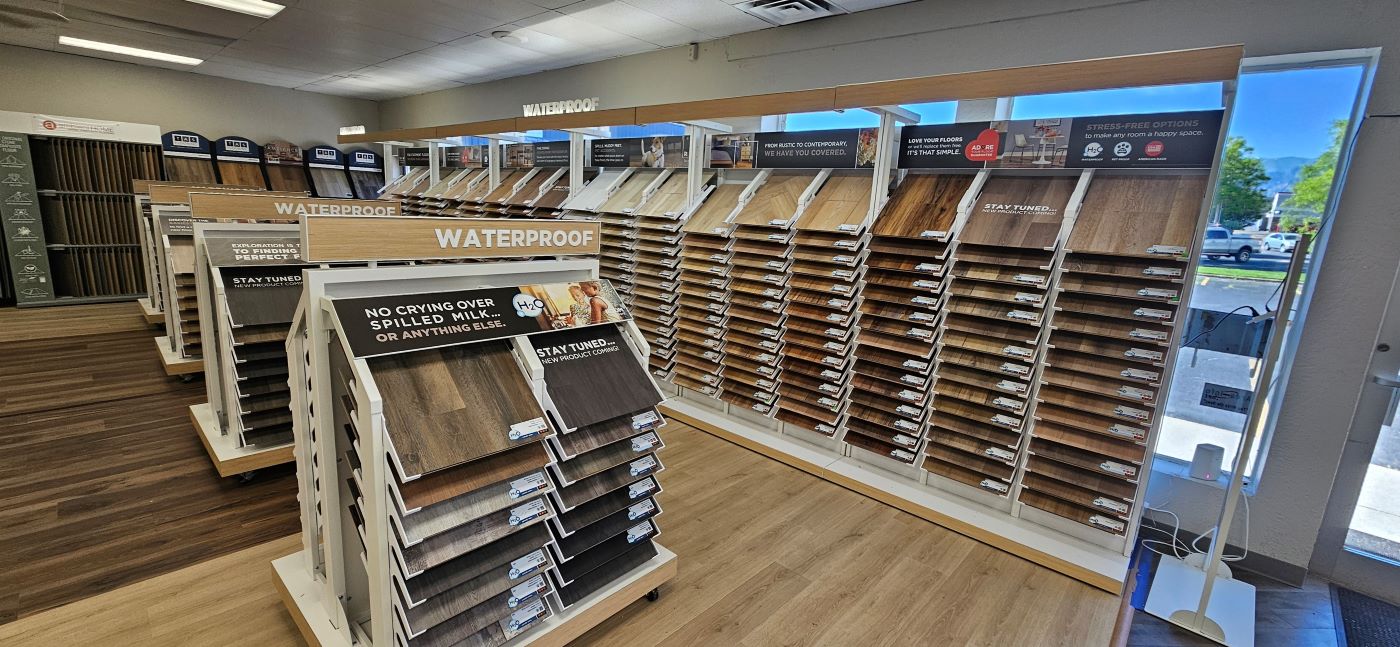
[257, 8]
[128, 51]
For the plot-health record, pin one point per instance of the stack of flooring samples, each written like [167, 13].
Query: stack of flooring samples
[994, 322]
[900, 309]
[522, 202]
[434, 200]
[603, 403]
[704, 289]
[261, 302]
[821, 295]
[466, 191]
[492, 204]
[325, 166]
[550, 204]
[239, 161]
[760, 262]
[656, 262]
[618, 262]
[595, 193]
[92, 233]
[283, 162]
[366, 171]
[1118, 304]
[466, 489]
[180, 262]
[188, 157]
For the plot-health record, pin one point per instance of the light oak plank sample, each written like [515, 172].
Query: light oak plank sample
[506, 187]
[330, 183]
[629, 195]
[1019, 211]
[446, 406]
[242, 173]
[1128, 214]
[776, 200]
[713, 211]
[283, 177]
[922, 203]
[840, 205]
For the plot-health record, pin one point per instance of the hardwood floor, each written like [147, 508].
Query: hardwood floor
[102, 480]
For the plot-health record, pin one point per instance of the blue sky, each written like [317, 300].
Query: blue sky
[1280, 114]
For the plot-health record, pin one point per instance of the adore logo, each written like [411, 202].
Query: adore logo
[526, 305]
[49, 124]
[984, 148]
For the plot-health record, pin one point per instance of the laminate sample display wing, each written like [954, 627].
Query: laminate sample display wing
[331, 183]
[196, 170]
[368, 184]
[1134, 214]
[446, 406]
[592, 375]
[840, 205]
[1019, 211]
[261, 295]
[713, 211]
[775, 201]
[669, 198]
[629, 195]
[531, 190]
[922, 203]
[611, 570]
[283, 177]
[595, 192]
[242, 173]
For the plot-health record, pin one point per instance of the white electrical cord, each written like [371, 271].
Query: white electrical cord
[1180, 549]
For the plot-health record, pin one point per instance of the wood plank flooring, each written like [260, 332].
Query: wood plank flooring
[102, 480]
[49, 323]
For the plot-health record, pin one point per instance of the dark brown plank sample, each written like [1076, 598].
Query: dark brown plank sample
[592, 375]
[922, 203]
[446, 406]
[476, 563]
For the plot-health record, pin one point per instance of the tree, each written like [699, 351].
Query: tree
[1315, 179]
[1300, 224]
[1240, 199]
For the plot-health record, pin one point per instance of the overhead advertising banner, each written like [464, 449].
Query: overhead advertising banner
[400, 323]
[551, 154]
[837, 148]
[452, 156]
[1178, 140]
[660, 151]
[330, 239]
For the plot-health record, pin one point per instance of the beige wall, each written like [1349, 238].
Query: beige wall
[34, 80]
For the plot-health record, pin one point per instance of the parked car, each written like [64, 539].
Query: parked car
[1281, 242]
[1222, 242]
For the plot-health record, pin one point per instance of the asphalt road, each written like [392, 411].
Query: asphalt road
[1269, 261]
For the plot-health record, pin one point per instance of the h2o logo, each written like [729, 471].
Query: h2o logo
[526, 305]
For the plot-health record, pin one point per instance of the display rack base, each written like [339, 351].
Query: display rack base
[149, 311]
[173, 363]
[228, 457]
[1093, 565]
[302, 597]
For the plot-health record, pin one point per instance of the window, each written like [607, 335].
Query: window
[830, 119]
[1214, 233]
[645, 130]
[1121, 101]
[938, 112]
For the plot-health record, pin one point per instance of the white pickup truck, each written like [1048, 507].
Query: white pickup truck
[1222, 242]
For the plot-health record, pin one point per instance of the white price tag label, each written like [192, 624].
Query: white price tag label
[527, 429]
[899, 454]
[829, 403]
[915, 364]
[527, 485]
[768, 344]
[932, 233]
[778, 222]
[767, 358]
[525, 618]
[924, 301]
[907, 441]
[826, 429]
[842, 274]
[1007, 403]
[774, 278]
[1006, 421]
[1011, 386]
[906, 424]
[835, 346]
[922, 316]
[766, 370]
[912, 379]
[847, 227]
[932, 268]
[1143, 333]
[1139, 374]
[1135, 393]
[525, 591]
[926, 284]
[645, 443]
[641, 466]
[837, 287]
[528, 512]
[995, 486]
[1017, 351]
[904, 409]
[1157, 293]
[1152, 313]
[1167, 250]
[842, 258]
[1113, 467]
[919, 333]
[638, 532]
[1000, 453]
[1162, 271]
[771, 333]
[1015, 369]
[1125, 431]
[847, 244]
[639, 510]
[911, 396]
[1143, 353]
[765, 384]
[640, 489]
[771, 292]
[1031, 279]
[1027, 297]
[1129, 412]
[1022, 315]
[1110, 504]
[712, 356]
[528, 564]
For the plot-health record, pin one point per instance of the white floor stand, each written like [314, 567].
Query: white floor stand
[1176, 590]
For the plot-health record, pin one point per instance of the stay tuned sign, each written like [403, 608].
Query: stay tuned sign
[330, 239]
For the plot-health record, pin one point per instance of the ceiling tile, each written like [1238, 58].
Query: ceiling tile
[633, 21]
[714, 17]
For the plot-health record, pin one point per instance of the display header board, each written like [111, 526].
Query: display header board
[660, 151]
[185, 143]
[281, 152]
[452, 156]
[330, 239]
[176, 225]
[253, 249]
[1173, 140]
[240, 149]
[269, 205]
[364, 160]
[180, 194]
[325, 157]
[401, 323]
[539, 154]
[835, 148]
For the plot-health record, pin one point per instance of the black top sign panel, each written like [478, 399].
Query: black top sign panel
[253, 250]
[415, 156]
[261, 295]
[1164, 140]
[946, 146]
[406, 322]
[808, 149]
[176, 226]
[552, 154]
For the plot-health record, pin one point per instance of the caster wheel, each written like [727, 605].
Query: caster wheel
[653, 595]
[186, 378]
[247, 477]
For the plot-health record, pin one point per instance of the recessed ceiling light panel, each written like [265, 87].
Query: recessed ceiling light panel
[128, 51]
[259, 8]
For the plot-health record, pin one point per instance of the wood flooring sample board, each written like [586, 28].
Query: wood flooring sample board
[592, 375]
[1019, 211]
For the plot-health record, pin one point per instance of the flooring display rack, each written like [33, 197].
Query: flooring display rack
[325, 165]
[181, 348]
[69, 236]
[984, 344]
[249, 284]
[483, 484]
[366, 171]
[239, 161]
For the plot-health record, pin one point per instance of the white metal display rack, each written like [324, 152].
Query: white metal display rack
[340, 587]
[169, 225]
[217, 422]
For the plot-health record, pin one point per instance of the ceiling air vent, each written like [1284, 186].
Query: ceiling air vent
[787, 12]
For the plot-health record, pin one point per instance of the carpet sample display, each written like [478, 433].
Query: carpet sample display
[447, 406]
[592, 375]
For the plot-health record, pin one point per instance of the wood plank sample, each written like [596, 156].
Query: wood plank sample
[1019, 211]
[715, 209]
[922, 203]
[588, 513]
[592, 375]
[447, 406]
[462, 539]
[840, 205]
[608, 572]
[1130, 214]
[608, 480]
[775, 202]
[629, 195]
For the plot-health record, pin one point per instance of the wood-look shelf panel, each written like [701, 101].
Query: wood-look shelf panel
[1061, 508]
[774, 204]
[1026, 258]
[1131, 351]
[924, 249]
[1143, 333]
[999, 436]
[1012, 350]
[922, 207]
[990, 467]
[1028, 316]
[1159, 270]
[1132, 289]
[805, 422]
[629, 195]
[999, 220]
[1108, 367]
[1085, 404]
[1136, 214]
[1159, 313]
[1135, 393]
[1066, 415]
[929, 284]
[919, 265]
[1020, 296]
[993, 399]
[965, 476]
[884, 449]
[1107, 485]
[1119, 450]
[988, 381]
[841, 203]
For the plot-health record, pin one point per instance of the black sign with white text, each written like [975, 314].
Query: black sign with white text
[552, 154]
[837, 148]
[1168, 140]
[253, 250]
